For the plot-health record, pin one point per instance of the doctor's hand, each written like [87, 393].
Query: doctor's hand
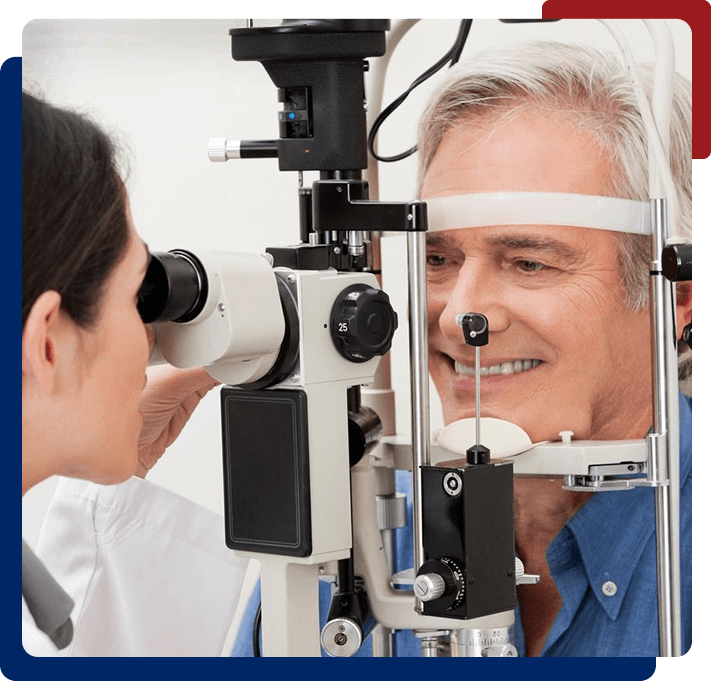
[168, 401]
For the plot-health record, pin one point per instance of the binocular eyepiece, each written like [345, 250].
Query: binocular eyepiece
[174, 288]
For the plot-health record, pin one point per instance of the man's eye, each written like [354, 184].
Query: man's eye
[434, 260]
[530, 266]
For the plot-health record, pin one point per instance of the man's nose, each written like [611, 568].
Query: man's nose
[475, 290]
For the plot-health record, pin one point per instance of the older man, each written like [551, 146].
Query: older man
[570, 345]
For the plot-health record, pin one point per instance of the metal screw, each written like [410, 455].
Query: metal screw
[291, 279]
[340, 639]
[452, 484]
[337, 250]
[221, 307]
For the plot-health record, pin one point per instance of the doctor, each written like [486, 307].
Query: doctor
[130, 579]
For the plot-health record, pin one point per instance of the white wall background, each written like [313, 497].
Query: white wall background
[164, 87]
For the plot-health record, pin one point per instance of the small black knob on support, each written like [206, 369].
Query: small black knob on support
[478, 454]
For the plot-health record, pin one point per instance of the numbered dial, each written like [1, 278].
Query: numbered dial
[449, 574]
[362, 323]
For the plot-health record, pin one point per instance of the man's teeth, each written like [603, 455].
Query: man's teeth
[504, 369]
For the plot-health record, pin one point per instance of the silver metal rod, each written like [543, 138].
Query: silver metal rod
[666, 428]
[664, 572]
[382, 638]
[477, 368]
[419, 378]
[429, 647]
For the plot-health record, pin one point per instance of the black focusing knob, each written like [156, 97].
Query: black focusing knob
[363, 322]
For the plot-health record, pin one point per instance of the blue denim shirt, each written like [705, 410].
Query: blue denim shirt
[610, 541]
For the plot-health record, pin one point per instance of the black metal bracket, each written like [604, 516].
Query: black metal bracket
[343, 206]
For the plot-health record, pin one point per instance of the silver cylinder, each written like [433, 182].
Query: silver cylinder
[356, 242]
[666, 428]
[382, 639]
[483, 642]
[419, 378]
[429, 647]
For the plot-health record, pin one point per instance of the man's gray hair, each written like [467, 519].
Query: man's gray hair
[593, 91]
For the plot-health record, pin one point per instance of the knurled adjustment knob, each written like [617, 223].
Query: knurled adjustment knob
[429, 586]
[363, 322]
[220, 149]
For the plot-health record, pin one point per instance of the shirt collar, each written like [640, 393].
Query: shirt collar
[612, 529]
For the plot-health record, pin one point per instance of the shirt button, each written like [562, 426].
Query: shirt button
[609, 588]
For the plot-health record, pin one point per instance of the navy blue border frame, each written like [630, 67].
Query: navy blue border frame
[17, 665]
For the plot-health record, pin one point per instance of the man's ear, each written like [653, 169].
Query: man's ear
[40, 340]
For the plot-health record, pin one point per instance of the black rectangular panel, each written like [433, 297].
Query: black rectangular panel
[266, 471]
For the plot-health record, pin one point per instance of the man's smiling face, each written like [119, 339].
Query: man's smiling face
[565, 352]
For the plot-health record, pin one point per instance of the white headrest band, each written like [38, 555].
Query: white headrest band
[538, 208]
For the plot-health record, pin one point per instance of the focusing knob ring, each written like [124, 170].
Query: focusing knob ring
[363, 322]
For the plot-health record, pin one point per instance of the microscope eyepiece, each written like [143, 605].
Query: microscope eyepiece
[174, 288]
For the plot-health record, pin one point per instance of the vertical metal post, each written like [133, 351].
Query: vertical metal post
[665, 453]
[478, 394]
[419, 378]
[382, 639]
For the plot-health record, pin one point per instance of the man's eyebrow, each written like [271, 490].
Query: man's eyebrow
[513, 241]
[435, 240]
[538, 244]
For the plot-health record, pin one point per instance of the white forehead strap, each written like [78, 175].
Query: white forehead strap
[538, 208]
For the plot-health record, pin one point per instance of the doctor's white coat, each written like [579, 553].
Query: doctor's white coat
[148, 571]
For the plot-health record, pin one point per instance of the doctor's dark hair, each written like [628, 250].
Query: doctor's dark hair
[74, 225]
